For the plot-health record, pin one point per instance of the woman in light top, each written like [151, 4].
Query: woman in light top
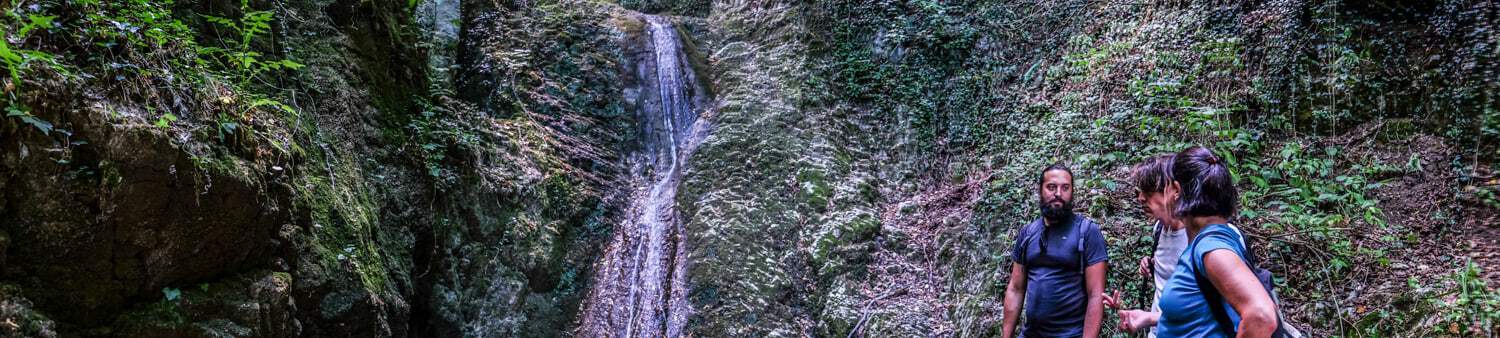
[1152, 178]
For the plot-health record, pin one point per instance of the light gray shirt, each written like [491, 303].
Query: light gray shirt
[1164, 261]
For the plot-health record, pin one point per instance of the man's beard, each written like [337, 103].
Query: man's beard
[1060, 214]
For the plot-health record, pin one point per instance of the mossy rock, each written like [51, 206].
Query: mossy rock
[20, 317]
[815, 189]
[257, 304]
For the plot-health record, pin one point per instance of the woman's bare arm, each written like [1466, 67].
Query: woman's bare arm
[1243, 291]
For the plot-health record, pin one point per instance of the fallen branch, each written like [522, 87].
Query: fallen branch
[865, 311]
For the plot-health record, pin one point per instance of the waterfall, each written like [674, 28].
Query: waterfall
[640, 283]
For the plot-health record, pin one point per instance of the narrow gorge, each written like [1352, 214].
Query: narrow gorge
[719, 168]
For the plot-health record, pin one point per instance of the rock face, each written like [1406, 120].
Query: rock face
[870, 161]
[130, 214]
[542, 90]
[152, 211]
[24, 319]
[255, 304]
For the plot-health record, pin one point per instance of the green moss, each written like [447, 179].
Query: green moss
[860, 229]
[815, 189]
[344, 217]
[282, 277]
[561, 193]
[696, 59]
[223, 165]
[109, 174]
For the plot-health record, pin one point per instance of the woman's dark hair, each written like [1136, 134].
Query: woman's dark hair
[1152, 175]
[1207, 186]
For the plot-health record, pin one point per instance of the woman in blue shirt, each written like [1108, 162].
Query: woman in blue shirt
[1214, 262]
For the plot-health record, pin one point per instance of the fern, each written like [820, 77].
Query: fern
[247, 63]
[15, 58]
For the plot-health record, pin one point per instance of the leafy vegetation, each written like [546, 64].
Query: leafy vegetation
[683, 8]
[1290, 121]
[145, 44]
[242, 57]
[16, 60]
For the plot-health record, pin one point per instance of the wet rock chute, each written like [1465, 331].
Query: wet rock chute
[640, 285]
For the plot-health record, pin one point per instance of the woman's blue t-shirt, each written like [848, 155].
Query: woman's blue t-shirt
[1185, 312]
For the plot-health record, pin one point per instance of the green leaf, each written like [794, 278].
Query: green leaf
[293, 65]
[165, 120]
[220, 20]
[11, 60]
[42, 21]
[171, 294]
[274, 104]
[39, 123]
[1260, 182]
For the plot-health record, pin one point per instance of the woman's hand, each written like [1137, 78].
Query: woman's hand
[1113, 301]
[1135, 320]
[1146, 267]
[1130, 320]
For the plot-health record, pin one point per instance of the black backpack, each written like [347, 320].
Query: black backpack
[1267, 281]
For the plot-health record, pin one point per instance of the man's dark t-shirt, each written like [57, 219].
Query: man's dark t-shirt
[1055, 293]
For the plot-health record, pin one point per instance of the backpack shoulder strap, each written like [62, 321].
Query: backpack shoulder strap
[1030, 233]
[1085, 227]
[1211, 295]
[1249, 252]
[1156, 231]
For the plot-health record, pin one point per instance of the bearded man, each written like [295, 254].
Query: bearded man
[1058, 267]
